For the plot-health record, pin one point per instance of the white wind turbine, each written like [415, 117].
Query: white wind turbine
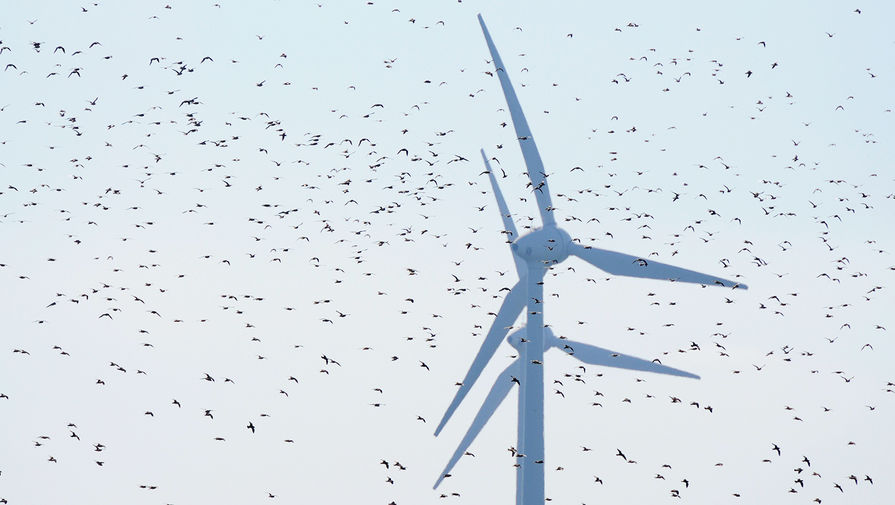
[533, 254]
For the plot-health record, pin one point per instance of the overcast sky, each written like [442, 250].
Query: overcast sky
[288, 198]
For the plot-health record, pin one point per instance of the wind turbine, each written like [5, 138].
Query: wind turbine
[533, 254]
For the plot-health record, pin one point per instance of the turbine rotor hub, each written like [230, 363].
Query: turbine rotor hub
[517, 338]
[548, 245]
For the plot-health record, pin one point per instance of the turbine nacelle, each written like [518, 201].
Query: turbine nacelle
[548, 246]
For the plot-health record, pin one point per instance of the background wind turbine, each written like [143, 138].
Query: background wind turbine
[533, 254]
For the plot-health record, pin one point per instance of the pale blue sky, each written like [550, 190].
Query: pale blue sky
[634, 97]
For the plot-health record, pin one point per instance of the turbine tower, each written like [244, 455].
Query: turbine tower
[533, 254]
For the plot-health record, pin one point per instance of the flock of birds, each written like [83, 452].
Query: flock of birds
[210, 255]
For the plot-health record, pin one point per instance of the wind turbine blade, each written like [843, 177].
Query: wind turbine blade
[594, 355]
[633, 266]
[495, 397]
[508, 225]
[533, 162]
[509, 311]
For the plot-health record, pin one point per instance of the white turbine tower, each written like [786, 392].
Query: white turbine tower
[533, 254]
